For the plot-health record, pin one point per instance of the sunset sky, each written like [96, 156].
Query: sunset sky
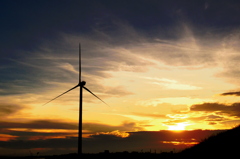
[159, 65]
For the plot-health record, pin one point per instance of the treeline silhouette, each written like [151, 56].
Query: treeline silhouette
[104, 155]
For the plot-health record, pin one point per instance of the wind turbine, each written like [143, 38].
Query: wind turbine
[81, 85]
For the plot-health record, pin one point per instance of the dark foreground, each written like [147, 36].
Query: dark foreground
[181, 155]
[124, 155]
[222, 145]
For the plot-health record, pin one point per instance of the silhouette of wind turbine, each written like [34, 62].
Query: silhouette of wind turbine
[81, 85]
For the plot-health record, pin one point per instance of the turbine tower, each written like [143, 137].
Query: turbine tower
[81, 85]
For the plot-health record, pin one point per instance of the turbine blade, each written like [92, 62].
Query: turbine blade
[61, 94]
[80, 61]
[95, 95]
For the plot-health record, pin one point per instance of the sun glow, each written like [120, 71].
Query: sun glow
[177, 127]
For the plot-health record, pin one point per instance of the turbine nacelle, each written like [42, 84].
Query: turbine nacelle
[81, 84]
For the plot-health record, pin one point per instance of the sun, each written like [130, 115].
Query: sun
[177, 127]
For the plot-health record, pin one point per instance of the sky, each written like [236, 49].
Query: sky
[167, 69]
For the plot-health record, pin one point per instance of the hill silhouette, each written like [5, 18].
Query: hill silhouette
[224, 144]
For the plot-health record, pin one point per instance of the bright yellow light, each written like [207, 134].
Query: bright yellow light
[181, 142]
[178, 126]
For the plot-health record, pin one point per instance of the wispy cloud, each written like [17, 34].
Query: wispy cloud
[176, 86]
[58, 61]
[68, 67]
[170, 84]
[153, 115]
[173, 101]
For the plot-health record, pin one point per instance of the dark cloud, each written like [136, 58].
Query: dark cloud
[117, 48]
[9, 109]
[214, 118]
[231, 94]
[212, 123]
[209, 107]
[28, 133]
[49, 143]
[219, 109]
[109, 33]
[126, 126]
[39, 124]
[51, 65]
[53, 124]
[24, 75]
[34, 135]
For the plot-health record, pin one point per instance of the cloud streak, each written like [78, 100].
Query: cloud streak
[231, 94]
[230, 110]
[39, 124]
[171, 84]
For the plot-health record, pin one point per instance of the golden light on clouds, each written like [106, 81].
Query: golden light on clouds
[191, 143]
[174, 101]
[6, 137]
[115, 133]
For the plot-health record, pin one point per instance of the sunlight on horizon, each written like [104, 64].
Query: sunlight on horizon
[177, 127]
